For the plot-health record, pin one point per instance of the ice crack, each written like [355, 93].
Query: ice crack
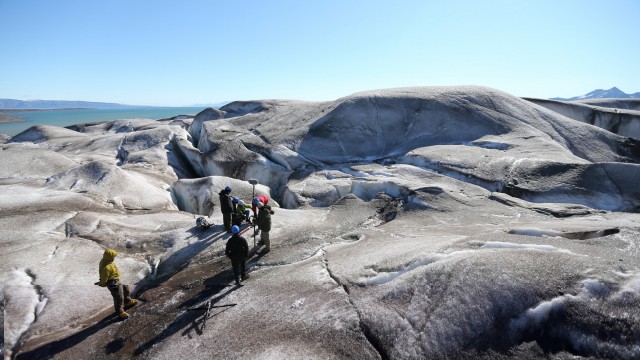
[366, 332]
[24, 301]
[122, 154]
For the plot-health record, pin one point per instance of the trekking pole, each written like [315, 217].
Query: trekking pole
[208, 307]
[253, 196]
[206, 315]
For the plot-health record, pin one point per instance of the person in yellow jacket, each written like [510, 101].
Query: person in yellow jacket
[110, 278]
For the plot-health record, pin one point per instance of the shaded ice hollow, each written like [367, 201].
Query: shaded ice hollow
[434, 222]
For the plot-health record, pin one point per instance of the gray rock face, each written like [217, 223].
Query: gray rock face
[438, 222]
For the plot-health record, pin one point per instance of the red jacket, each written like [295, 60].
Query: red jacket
[264, 199]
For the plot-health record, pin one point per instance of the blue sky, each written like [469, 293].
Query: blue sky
[193, 52]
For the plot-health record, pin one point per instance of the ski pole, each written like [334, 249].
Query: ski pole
[253, 196]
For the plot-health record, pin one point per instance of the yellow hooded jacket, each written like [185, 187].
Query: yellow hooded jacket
[107, 269]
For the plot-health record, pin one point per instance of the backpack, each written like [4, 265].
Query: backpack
[203, 223]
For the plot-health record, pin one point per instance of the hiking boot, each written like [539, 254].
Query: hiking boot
[131, 303]
[123, 315]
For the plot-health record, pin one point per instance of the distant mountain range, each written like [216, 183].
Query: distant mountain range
[613, 93]
[61, 104]
[217, 105]
[12, 104]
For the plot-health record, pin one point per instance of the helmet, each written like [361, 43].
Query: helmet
[235, 200]
[240, 202]
[228, 188]
[235, 229]
[255, 201]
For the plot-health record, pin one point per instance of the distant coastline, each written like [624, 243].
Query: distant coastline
[13, 121]
[5, 116]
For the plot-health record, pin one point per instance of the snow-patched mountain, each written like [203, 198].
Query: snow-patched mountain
[613, 93]
[431, 222]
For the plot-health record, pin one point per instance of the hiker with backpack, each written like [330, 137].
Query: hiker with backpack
[110, 278]
[226, 206]
[237, 250]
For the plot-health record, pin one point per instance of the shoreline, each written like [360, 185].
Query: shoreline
[7, 119]
[14, 121]
[5, 116]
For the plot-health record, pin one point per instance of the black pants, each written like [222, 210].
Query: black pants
[236, 219]
[226, 220]
[238, 265]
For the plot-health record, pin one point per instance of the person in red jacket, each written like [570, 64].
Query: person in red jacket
[264, 199]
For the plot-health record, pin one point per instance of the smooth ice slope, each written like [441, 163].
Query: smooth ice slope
[481, 135]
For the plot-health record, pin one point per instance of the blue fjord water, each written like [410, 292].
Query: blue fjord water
[79, 116]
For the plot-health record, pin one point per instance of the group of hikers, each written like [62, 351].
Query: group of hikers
[234, 213]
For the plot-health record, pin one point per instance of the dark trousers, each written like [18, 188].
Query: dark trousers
[236, 219]
[238, 265]
[120, 295]
[226, 220]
